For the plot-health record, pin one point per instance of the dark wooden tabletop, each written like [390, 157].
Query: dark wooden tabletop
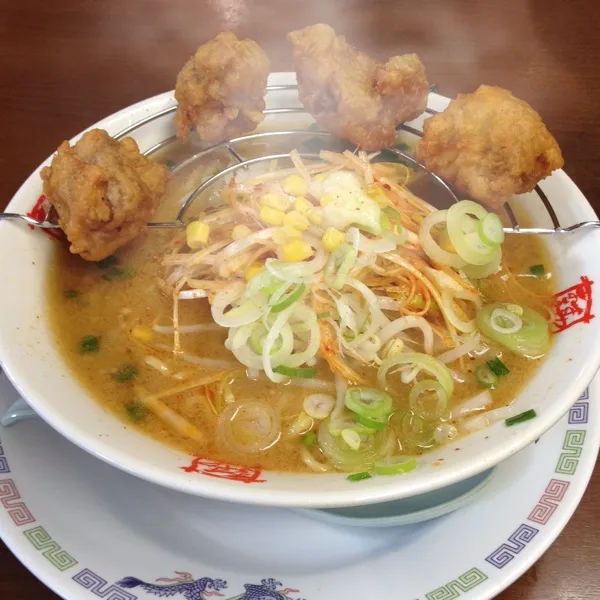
[66, 64]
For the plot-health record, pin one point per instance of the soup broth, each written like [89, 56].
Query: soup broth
[111, 322]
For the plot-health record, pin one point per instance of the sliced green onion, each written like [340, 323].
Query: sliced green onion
[425, 362]
[521, 418]
[395, 465]
[289, 298]
[426, 407]
[335, 426]
[351, 437]
[324, 315]
[497, 367]
[358, 476]
[295, 372]
[377, 424]
[413, 431]
[515, 308]
[70, 293]
[89, 343]
[469, 246]
[109, 261]
[368, 402]
[126, 373]
[373, 447]
[537, 270]
[490, 230]
[505, 321]
[116, 273]
[486, 377]
[532, 339]
[338, 266]
[257, 339]
[309, 439]
[136, 412]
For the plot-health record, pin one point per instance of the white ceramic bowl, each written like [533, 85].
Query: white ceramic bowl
[30, 359]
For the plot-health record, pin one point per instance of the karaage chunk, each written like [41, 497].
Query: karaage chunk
[489, 145]
[103, 191]
[221, 89]
[352, 95]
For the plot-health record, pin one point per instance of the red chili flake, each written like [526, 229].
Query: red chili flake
[220, 470]
[387, 186]
[573, 305]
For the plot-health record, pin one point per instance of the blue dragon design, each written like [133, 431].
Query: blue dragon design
[204, 588]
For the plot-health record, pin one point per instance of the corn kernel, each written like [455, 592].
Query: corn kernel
[276, 201]
[296, 250]
[332, 238]
[315, 217]
[291, 232]
[297, 220]
[302, 205]
[196, 234]
[144, 334]
[240, 232]
[326, 199]
[294, 185]
[272, 216]
[252, 270]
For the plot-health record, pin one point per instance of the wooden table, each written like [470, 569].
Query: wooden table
[65, 65]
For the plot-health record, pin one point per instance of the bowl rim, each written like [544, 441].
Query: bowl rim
[231, 491]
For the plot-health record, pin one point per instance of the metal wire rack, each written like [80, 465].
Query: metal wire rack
[241, 162]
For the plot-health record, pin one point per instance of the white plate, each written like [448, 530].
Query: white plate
[82, 526]
[30, 358]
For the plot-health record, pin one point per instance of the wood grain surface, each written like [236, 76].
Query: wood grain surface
[66, 64]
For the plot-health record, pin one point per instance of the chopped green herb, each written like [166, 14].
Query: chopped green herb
[309, 439]
[358, 476]
[497, 367]
[90, 343]
[299, 373]
[109, 261]
[485, 377]
[521, 418]
[136, 412]
[117, 272]
[324, 315]
[170, 164]
[537, 270]
[126, 373]
[70, 293]
[314, 127]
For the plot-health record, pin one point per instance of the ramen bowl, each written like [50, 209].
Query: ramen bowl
[31, 359]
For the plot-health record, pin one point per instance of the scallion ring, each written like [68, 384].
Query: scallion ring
[296, 373]
[368, 402]
[395, 465]
[490, 230]
[288, 299]
[505, 321]
[427, 406]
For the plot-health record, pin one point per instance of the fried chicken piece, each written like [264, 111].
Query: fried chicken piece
[489, 145]
[103, 191]
[221, 89]
[350, 94]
